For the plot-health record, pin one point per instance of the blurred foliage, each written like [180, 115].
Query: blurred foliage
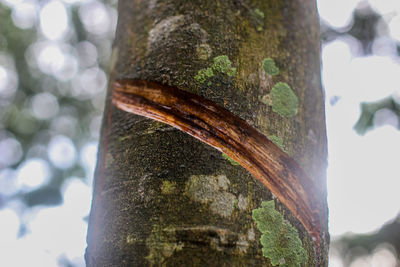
[366, 27]
[369, 111]
[352, 246]
[45, 195]
[77, 109]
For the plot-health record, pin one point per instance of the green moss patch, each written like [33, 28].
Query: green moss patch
[203, 75]
[284, 101]
[269, 67]
[212, 190]
[221, 65]
[203, 51]
[280, 240]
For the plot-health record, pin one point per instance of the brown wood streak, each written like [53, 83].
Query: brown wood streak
[228, 133]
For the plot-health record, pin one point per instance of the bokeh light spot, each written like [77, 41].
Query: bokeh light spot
[53, 20]
[32, 173]
[87, 54]
[10, 152]
[62, 152]
[44, 106]
[95, 17]
[8, 76]
[24, 15]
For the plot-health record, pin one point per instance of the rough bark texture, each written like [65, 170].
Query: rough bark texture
[163, 198]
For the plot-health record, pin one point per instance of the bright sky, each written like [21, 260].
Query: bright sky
[362, 173]
[363, 177]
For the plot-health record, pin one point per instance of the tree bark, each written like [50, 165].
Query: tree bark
[164, 198]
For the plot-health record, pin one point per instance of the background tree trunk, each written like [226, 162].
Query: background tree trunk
[163, 198]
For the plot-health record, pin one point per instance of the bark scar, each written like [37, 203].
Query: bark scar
[218, 127]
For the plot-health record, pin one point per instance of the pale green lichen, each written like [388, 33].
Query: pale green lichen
[225, 156]
[212, 190]
[269, 67]
[284, 101]
[242, 202]
[277, 141]
[257, 16]
[203, 51]
[280, 240]
[168, 188]
[221, 65]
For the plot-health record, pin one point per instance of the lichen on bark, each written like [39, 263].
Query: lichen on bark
[221, 66]
[280, 240]
[283, 100]
[149, 192]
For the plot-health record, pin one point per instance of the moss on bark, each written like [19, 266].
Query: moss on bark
[159, 196]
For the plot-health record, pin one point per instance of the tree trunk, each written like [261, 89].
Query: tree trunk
[164, 198]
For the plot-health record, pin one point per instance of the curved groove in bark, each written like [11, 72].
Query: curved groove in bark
[218, 127]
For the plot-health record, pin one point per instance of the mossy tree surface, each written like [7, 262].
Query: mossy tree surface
[163, 198]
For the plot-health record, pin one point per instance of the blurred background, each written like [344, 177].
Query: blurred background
[53, 74]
